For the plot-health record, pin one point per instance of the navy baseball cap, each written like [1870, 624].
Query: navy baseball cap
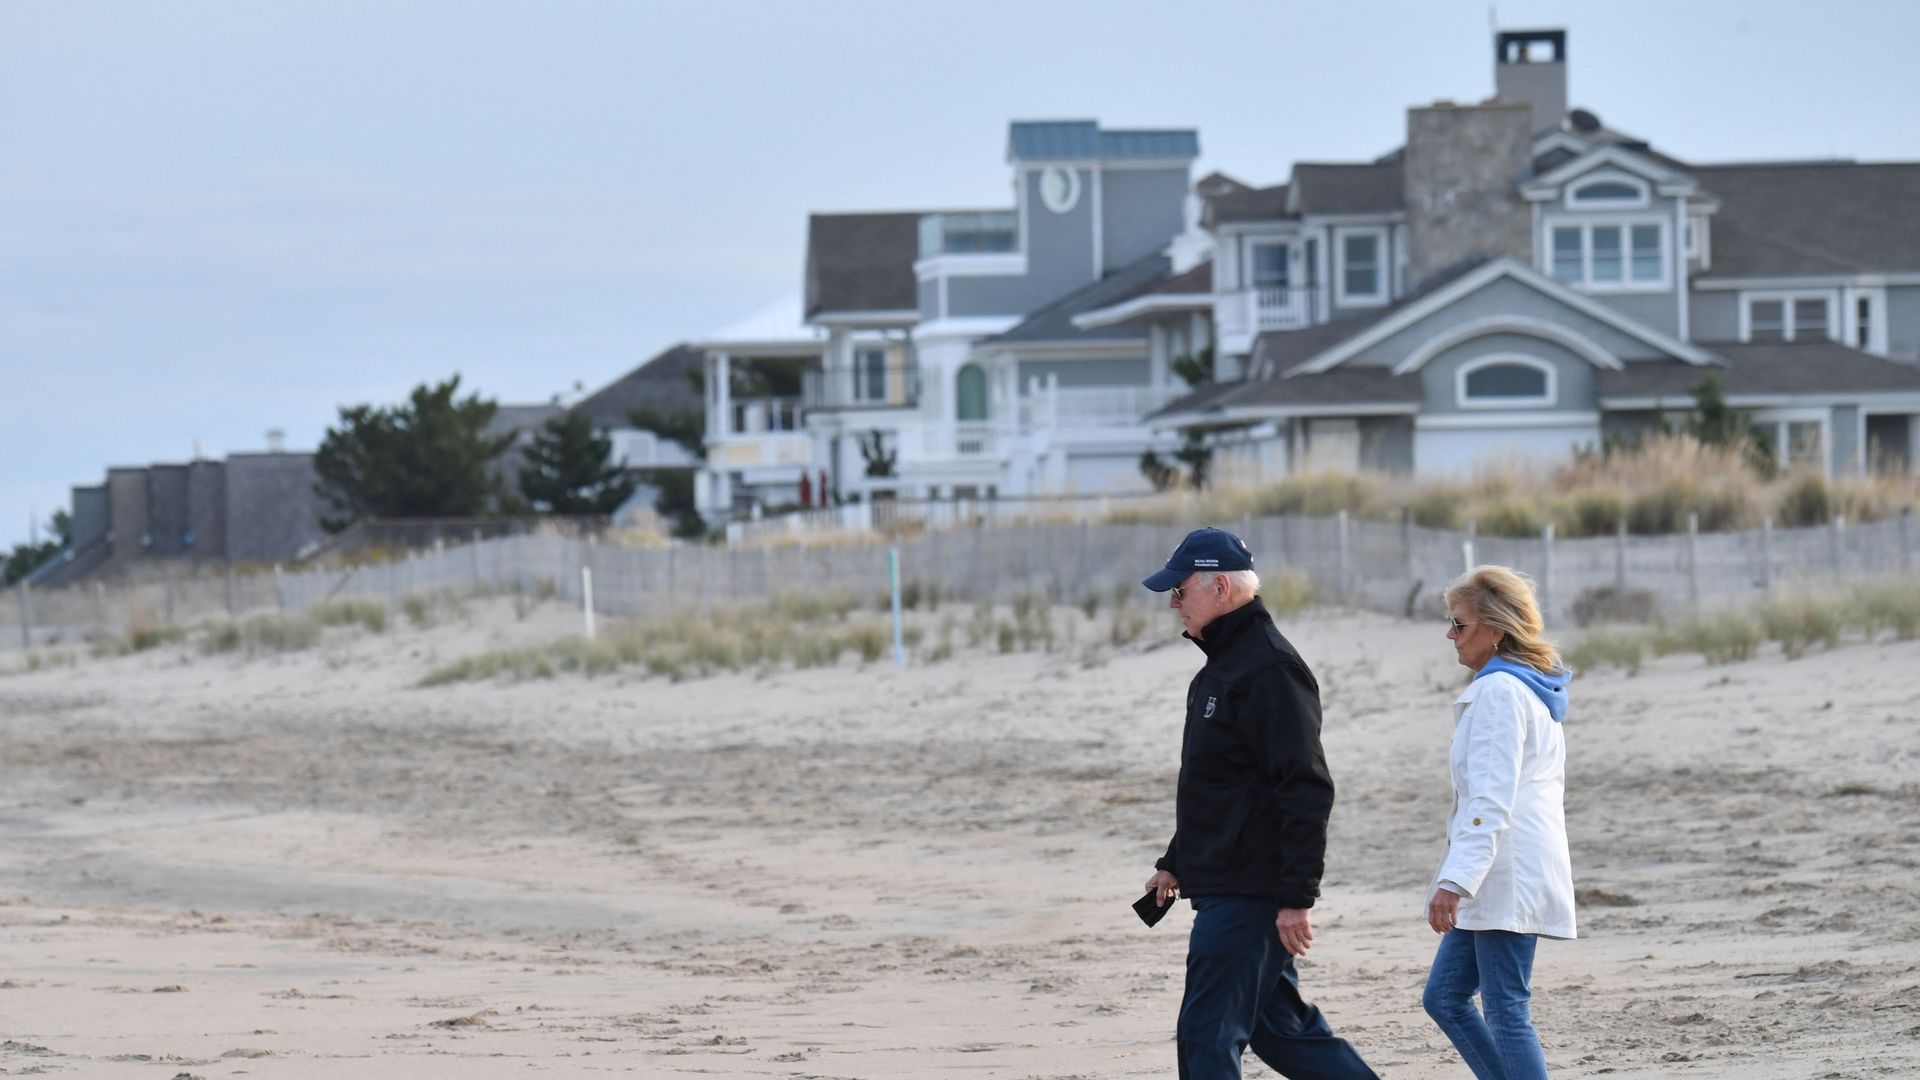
[1203, 549]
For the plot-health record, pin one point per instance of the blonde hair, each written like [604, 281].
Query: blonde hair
[1503, 598]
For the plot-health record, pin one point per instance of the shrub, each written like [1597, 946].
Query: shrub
[1607, 604]
[1437, 508]
[1799, 622]
[1722, 637]
[1893, 605]
[1090, 604]
[1805, 501]
[1624, 649]
[1127, 626]
[1590, 513]
[370, 614]
[1511, 515]
[1287, 593]
[871, 640]
[143, 637]
[1005, 636]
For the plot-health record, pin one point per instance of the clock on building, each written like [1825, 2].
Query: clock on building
[1059, 189]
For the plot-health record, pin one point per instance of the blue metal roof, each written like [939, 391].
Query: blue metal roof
[1076, 140]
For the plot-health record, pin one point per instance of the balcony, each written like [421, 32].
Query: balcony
[1089, 407]
[753, 416]
[888, 385]
[1268, 307]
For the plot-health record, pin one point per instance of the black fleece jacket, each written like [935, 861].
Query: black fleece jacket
[1251, 814]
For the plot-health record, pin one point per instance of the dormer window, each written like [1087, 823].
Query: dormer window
[1627, 257]
[1609, 193]
[1786, 317]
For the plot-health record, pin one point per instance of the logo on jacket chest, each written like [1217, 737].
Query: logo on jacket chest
[1208, 713]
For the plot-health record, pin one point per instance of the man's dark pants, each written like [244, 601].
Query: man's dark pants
[1241, 990]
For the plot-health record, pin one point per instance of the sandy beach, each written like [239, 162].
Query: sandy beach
[307, 866]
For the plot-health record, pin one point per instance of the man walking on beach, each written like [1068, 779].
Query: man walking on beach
[1250, 832]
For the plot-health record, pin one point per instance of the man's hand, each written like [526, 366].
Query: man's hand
[1296, 930]
[1165, 884]
[1443, 910]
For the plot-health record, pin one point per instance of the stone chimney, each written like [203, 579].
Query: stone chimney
[1463, 167]
[1530, 66]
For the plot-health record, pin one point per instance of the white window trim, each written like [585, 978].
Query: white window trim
[1268, 241]
[1547, 400]
[1790, 323]
[1586, 223]
[1641, 200]
[1383, 266]
[1778, 419]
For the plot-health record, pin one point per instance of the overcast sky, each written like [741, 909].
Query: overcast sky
[218, 218]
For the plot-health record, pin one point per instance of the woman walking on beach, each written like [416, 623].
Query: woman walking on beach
[1507, 879]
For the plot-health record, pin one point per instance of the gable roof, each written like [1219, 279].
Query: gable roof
[1248, 204]
[1667, 181]
[1054, 321]
[1323, 188]
[662, 384]
[862, 262]
[1404, 315]
[1191, 290]
[1795, 218]
[1371, 390]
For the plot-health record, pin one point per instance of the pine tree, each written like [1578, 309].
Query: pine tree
[569, 472]
[426, 458]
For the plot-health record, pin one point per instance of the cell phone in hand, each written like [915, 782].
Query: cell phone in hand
[1149, 907]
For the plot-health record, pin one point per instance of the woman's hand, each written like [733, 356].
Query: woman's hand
[1165, 884]
[1443, 909]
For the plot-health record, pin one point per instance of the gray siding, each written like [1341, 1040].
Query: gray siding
[1629, 427]
[1903, 322]
[207, 508]
[929, 300]
[1715, 316]
[968, 296]
[1059, 246]
[1503, 296]
[167, 509]
[1086, 373]
[1386, 444]
[89, 515]
[1140, 210]
[1573, 374]
[1846, 438]
[1660, 311]
[272, 511]
[127, 511]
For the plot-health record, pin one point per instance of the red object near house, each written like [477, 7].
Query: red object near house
[806, 490]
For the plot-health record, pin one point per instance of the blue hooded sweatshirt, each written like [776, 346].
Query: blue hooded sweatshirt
[1550, 689]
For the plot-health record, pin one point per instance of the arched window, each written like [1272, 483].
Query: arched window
[1612, 191]
[1506, 382]
[971, 395]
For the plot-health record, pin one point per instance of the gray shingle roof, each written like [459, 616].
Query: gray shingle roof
[661, 384]
[1789, 218]
[1348, 189]
[1072, 140]
[1341, 386]
[1248, 204]
[1813, 367]
[862, 262]
[1054, 321]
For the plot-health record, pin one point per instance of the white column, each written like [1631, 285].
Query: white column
[722, 394]
[1157, 354]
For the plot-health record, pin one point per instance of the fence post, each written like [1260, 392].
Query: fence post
[169, 595]
[100, 608]
[230, 599]
[1466, 546]
[1346, 559]
[26, 618]
[1620, 558]
[1546, 568]
[586, 598]
[893, 585]
[279, 588]
[473, 551]
[1693, 561]
[1406, 545]
[1766, 555]
[1833, 542]
[1906, 539]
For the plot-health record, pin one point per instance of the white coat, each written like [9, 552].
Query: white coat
[1507, 835]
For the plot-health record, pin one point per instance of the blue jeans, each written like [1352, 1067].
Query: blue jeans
[1501, 1045]
[1241, 989]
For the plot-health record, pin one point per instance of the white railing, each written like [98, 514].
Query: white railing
[751, 416]
[1282, 307]
[973, 438]
[1100, 406]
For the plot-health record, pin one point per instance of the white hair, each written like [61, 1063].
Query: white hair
[1243, 582]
